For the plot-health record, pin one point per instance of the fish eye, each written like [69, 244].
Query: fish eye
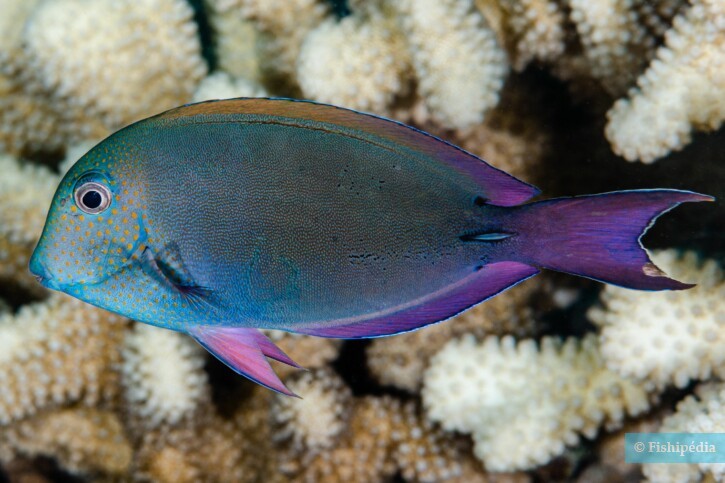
[92, 197]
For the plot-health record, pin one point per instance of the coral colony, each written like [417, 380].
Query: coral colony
[484, 396]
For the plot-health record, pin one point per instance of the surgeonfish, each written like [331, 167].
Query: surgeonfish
[220, 218]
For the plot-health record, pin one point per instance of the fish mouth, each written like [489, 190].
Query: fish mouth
[41, 274]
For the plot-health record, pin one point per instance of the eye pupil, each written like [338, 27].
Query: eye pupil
[92, 199]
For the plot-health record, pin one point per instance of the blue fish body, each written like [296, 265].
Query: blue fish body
[220, 218]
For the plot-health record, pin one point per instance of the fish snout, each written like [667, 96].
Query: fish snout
[40, 272]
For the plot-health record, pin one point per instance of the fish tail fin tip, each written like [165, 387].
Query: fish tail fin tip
[245, 351]
[598, 236]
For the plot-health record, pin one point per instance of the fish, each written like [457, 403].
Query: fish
[221, 218]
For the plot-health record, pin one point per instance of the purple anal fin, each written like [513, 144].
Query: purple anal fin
[443, 304]
[244, 351]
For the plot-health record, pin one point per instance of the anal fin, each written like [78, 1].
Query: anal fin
[484, 283]
[245, 351]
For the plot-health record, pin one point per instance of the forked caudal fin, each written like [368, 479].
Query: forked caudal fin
[597, 236]
[245, 351]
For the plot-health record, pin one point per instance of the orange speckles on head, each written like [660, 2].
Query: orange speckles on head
[73, 208]
[90, 224]
[134, 216]
[108, 232]
[114, 211]
[129, 246]
[99, 234]
[64, 217]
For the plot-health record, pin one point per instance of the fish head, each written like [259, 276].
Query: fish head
[94, 226]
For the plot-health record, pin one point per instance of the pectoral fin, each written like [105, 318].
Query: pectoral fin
[167, 267]
[245, 351]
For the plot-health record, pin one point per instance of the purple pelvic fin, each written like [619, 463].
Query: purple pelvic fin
[245, 351]
[443, 304]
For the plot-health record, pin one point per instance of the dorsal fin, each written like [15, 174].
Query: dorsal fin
[499, 188]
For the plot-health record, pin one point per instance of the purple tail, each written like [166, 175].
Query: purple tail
[597, 236]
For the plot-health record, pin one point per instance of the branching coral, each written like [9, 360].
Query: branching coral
[458, 63]
[221, 85]
[314, 422]
[382, 437]
[683, 88]
[667, 338]
[235, 41]
[524, 404]
[614, 43]
[56, 352]
[109, 400]
[117, 61]
[163, 375]
[84, 441]
[400, 361]
[703, 413]
[210, 450]
[25, 194]
[25, 122]
[356, 62]
[282, 25]
[529, 29]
